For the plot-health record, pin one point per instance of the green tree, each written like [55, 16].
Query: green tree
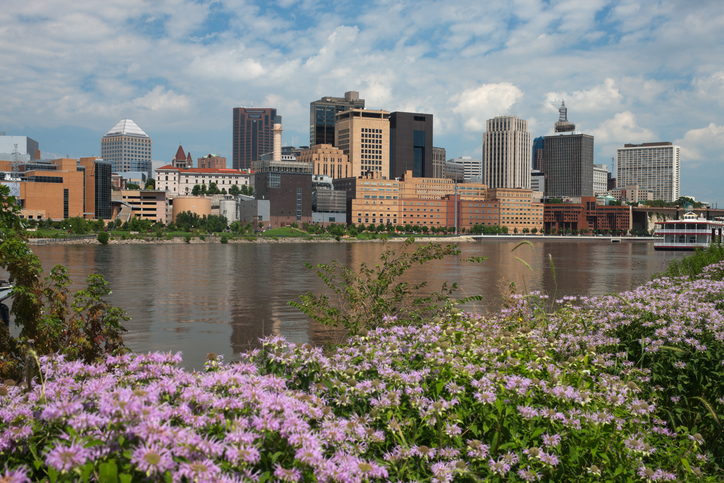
[234, 190]
[132, 187]
[365, 298]
[534, 231]
[196, 190]
[216, 223]
[103, 237]
[188, 220]
[150, 184]
[85, 329]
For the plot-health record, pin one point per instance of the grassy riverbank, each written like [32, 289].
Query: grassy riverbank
[616, 388]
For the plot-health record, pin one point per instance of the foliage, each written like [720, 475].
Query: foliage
[140, 225]
[150, 184]
[234, 190]
[361, 299]
[693, 265]
[76, 225]
[103, 237]
[132, 187]
[224, 239]
[85, 329]
[460, 399]
[670, 332]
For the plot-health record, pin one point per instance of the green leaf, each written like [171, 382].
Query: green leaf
[125, 478]
[108, 472]
[685, 462]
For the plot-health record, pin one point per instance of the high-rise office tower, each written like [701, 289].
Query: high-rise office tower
[538, 161]
[568, 160]
[410, 145]
[364, 136]
[128, 148]
[439, 160]
[506, 153]
[653, 166]
[253, 135]
[569, 165]
[322, 116]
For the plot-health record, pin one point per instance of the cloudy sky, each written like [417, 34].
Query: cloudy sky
[629, 71]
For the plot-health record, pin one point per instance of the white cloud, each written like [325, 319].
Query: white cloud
[604, 96]
[702, 146]
[484, 102]
[159, 99]
[711, 87]
[622, 128]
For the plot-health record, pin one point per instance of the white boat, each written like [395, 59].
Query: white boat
[688, 234]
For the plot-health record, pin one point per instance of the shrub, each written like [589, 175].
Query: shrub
[103, 237]
[187, 238]
[224, 239]
[361, 299]
[202, 237]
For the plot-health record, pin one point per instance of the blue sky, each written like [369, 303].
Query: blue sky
[629, 71]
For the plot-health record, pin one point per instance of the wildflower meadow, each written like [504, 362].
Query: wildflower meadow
[624, 388]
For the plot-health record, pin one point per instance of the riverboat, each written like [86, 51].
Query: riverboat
[688, 234]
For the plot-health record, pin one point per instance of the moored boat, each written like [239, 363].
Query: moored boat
[688, 234]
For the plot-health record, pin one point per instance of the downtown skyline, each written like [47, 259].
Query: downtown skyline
[630, 72]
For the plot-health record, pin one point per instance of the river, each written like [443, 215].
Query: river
[201, 298]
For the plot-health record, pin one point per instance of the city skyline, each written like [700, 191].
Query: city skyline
[629, 72]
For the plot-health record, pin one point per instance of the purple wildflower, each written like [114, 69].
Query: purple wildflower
[65, 458]
[152, 459]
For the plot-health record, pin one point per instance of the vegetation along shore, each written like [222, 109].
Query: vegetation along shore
[616, 388]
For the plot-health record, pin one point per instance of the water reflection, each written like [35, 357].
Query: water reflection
[222, 298]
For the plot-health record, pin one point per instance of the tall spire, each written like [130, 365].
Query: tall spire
[563, 125]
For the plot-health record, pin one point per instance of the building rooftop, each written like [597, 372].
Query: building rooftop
[127, 126]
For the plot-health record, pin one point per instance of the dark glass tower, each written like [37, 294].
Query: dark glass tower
[322, 116]
[411, 144]
[103, 189]
[253, 135]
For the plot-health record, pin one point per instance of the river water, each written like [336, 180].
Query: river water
[201, 298]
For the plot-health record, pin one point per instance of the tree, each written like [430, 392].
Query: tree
[526, 231]
[534, 231]
[85, 329]
[103, 238]
[368, 297]
[196, 190]
[132, 187]
[150, 184]
[216, 223]
[234, 190]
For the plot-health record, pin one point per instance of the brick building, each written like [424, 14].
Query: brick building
[586, 215]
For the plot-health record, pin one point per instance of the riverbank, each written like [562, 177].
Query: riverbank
[209, 239]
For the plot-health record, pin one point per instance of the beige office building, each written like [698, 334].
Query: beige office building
[652, 166]
[506, 153]
[364, 136]
[327, 161]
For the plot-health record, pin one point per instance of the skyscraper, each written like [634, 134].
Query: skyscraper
[410, 145]
[653, 166]
[364, 136]
[506, 153]
[538, 161]
[253, 135]
[128, 148]
[569, 165]
[568, 160]
[322, 116]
